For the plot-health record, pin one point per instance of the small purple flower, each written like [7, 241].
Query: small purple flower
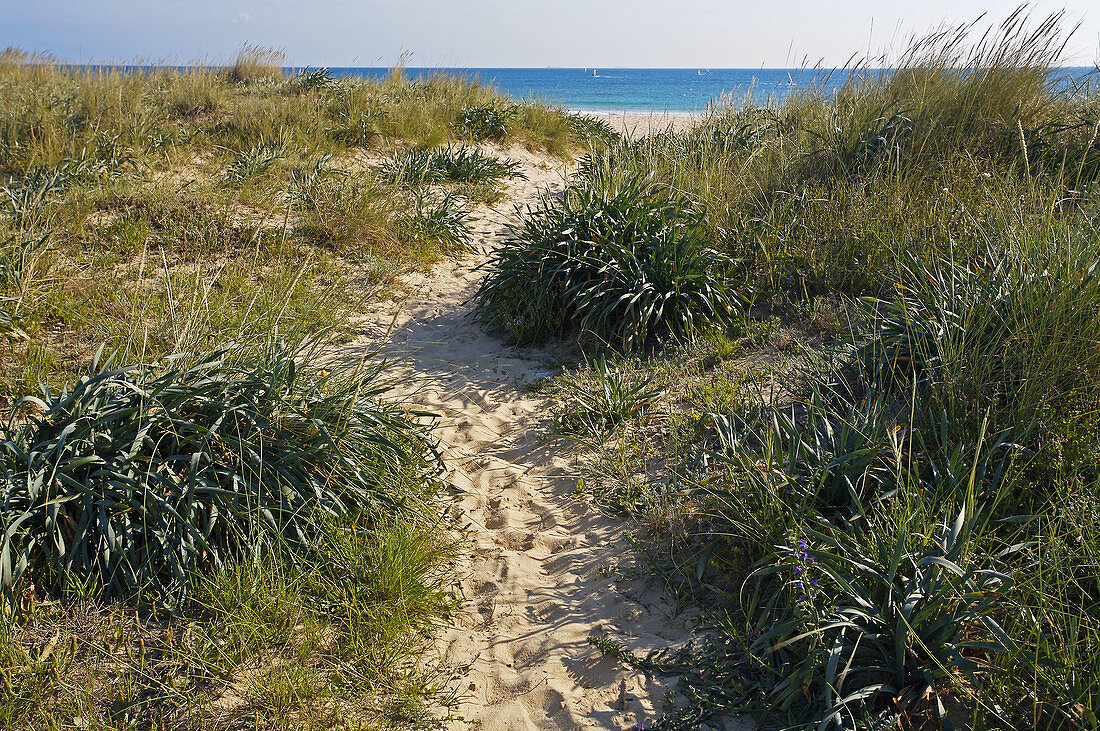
[803, 564]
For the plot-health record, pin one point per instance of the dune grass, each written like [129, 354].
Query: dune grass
[233, 537]
[225, 202]
[202, 523]
[859, 430]
[333, 643]
[878, 479]
[617, 261]
[820, 194]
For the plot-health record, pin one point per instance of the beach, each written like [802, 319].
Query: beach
[455, 401]
[635, 124]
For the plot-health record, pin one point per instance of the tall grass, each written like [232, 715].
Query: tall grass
[824, 193]
[255, 63]
[892, 527]
[222, 201]
[206, 515]
[334, 639]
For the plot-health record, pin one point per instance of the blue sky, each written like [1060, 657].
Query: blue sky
[691, 33]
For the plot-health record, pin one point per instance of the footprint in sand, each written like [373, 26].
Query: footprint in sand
[543, 589]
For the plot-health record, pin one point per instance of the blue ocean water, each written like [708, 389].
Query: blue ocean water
[677, 91]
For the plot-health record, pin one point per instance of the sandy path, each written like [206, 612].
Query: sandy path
[538, 568]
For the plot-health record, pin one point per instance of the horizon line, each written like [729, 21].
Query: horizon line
[297, 67]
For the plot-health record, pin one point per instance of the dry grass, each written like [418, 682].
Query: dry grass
[179, 209]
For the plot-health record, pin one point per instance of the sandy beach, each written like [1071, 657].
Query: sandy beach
[639, 125]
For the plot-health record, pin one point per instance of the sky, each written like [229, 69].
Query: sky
[507, 33]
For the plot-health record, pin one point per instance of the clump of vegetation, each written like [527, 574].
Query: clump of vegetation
[881, 628]
[486, 121]
[251, 163]
[309, 79]
[255, 64]
[594, 130]
[619, 263]
[139, 476]
[467, 165]
[893, 435]
[596, 406]
[441, 222]
[450, 164]
[412, 167]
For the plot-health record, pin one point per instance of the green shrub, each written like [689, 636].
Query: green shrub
[825, 456]
[412, 167]
[486, 122]
[30, 199]
[360, 130]
[594, 130]
[441, 223]
[344, 211]
[310, 79]
[621, 263]
[1011, 335]
[450, 164]
[470, 165]
[141, 476]
[882, 624]
[600, 407]
[251, 163]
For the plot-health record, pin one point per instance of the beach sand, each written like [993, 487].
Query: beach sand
[639, 125]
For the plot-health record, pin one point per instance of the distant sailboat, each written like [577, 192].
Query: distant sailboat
[790, 79]
[594, 74]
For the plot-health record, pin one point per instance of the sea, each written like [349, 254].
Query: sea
[667, 91]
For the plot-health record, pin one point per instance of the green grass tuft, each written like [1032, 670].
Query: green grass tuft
[619, 263]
